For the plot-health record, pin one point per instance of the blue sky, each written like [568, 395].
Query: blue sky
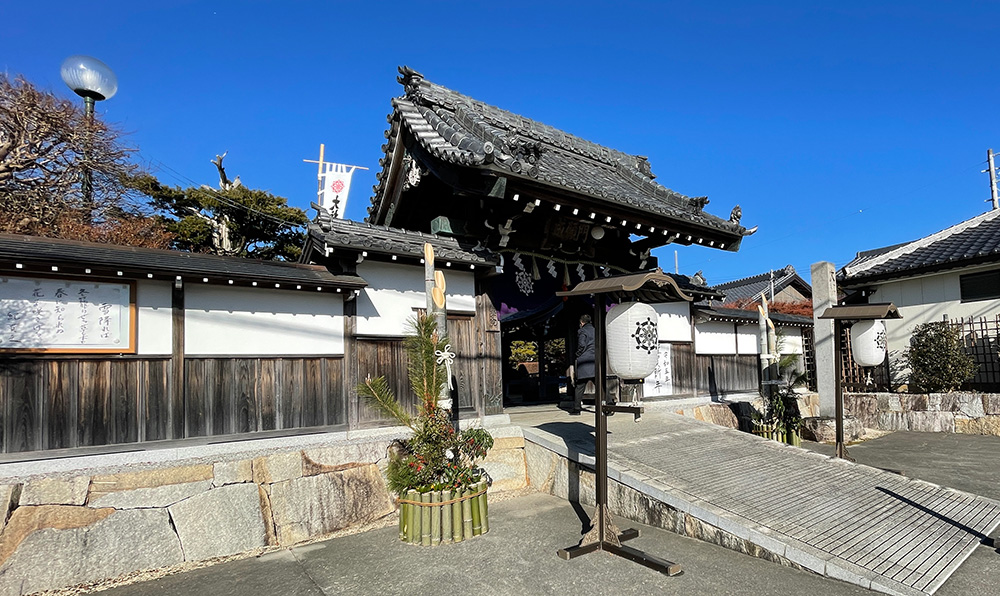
[837, 127]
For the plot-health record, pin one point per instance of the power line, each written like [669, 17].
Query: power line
[177, 176]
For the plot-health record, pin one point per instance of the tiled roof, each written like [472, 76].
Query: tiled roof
[718, 313]
[753, 287]
[36, 254]
[463, 131]
[358, 236]
[973, 241]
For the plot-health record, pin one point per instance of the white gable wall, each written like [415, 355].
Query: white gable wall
[395, 291]
[926, 300]
[154, 327]
[715, 337]
[674, 322]
[244, 321]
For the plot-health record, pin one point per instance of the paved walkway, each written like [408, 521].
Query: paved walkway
[849, 521]
[517, 557]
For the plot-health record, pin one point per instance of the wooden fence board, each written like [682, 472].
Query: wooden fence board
[61, 387]
[268, 390]
[156, 405]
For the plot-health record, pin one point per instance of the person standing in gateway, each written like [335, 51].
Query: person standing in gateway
[584, 362]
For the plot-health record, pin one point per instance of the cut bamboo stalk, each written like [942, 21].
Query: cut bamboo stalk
[425, 519]
[412, 518]
[467, 514]
[435, 519]
[456, 517]
[484, 515]
[446, 517]
[477, 516]
[402, 522]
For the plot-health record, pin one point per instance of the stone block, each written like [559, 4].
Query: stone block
[574, 483]
[101, 485]
[8, 492]
[914, 402]
[991, 404]
[144, 498]
[540, 466]
[894, 421]
[316, 505]
[508, 442]
[277, 468]
[824, 430]
[931, 422]
[941, 402]
[69, 545]
[717, 414]
[232, 472]
[864, 407]
[987, 425]
[55, 491]
[969, 404]
[889, 402]
[328, 459]
[507, 468]
[222, 521]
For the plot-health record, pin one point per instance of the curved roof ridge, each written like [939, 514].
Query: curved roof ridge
[909, 247]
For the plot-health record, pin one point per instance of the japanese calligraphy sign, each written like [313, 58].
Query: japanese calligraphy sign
[66, 316]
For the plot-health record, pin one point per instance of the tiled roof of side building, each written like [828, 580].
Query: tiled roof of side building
[459, 129]
[973, 241]
[72, 257]
[356, 237]
[752, 287]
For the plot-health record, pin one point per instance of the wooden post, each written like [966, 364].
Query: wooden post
[351, 370]
[177, 416]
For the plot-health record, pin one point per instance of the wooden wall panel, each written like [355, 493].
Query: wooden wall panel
[383, 357]
[64, 403]
[682, 368]
[155, 386]
[93, 422]
[462, 337]
[61, 379]
[336, 401]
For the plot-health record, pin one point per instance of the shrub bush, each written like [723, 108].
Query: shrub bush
[937, 358]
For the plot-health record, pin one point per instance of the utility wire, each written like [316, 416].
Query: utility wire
[179, 177]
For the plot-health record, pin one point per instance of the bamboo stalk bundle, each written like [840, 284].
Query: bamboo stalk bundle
[477, 516]
[467, 514]
[435, 519]
[412, 518]
[483, 508]
[425, 520]
[446, 517]
[402, 521]
[456, 518]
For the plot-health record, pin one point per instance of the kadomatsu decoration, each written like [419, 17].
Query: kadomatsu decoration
[441, 490]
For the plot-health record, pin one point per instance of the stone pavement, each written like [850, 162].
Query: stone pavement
[517, 556]
[853, 522]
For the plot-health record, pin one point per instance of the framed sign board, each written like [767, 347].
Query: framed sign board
[661, 381]
[66, 315]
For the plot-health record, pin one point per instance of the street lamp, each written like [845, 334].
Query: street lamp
[94, 81]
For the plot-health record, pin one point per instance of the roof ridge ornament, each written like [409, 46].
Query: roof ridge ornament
[409, 79]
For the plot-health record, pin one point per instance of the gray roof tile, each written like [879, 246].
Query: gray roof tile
[973, 241]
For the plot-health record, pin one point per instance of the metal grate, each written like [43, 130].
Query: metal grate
[980, 339]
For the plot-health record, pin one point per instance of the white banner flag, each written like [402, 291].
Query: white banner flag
[336, 185]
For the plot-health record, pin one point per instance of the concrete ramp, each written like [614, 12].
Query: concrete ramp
[847, 521]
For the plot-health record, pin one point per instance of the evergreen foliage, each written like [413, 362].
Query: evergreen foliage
[436, 456]
[937, 358]
[237, 221]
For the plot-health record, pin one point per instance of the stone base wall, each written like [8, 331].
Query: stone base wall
[60, 531]
[738, 414]
[957, 412]
[552, 473]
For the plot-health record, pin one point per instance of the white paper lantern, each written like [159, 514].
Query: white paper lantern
[868, 342]
[633, 342]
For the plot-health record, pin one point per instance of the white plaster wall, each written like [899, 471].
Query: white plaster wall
[791, 341]
[926, 300]
[674, 322]
[395, 291]
[251, 321]
[715, 337]
[154, 328]
[748, 339]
